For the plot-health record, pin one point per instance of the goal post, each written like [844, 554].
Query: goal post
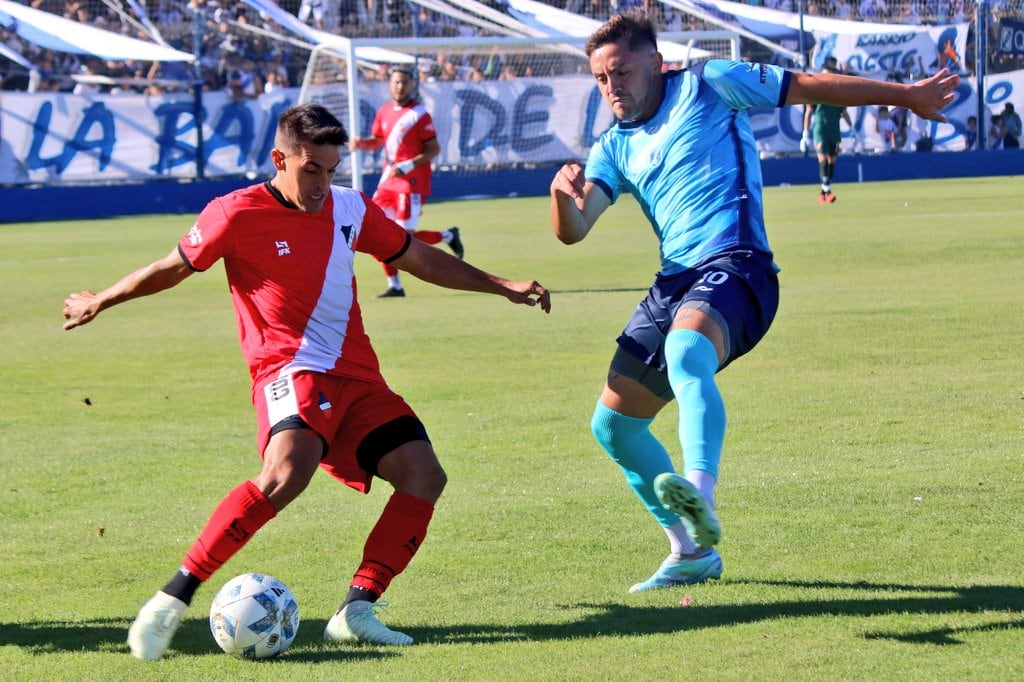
[501, 106]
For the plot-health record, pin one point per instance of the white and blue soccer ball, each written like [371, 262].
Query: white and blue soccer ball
[254, 616]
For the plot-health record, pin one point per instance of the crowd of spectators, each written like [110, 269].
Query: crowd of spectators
[239, 54]
[238, 51]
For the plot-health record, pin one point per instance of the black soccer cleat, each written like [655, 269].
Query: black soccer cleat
[456, 243]
[393, 293]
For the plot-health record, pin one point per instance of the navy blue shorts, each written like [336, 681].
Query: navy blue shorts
[740, 290]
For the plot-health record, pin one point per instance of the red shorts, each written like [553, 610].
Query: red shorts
[340, 410]
[402, 208]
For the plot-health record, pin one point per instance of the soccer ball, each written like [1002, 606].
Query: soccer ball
[254, 616]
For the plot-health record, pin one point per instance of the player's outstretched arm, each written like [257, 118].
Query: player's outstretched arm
[440, 268]
[575, 204]
[926, 97]
[365, 144]
[82, 307]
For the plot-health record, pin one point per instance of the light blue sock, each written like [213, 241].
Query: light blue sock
[692, 362]
[641, 456]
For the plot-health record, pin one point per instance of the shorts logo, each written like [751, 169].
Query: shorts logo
[282, 248]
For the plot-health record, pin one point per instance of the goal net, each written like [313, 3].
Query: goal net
[503, 107]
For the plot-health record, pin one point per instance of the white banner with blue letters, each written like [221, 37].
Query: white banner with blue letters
[938, 47]
[56, 138]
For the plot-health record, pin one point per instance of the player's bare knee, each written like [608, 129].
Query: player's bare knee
[282, 480]
[425, 479]
[433, 482]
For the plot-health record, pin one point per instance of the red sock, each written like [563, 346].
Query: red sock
[239, 515]
[393, 541]
[428, 236]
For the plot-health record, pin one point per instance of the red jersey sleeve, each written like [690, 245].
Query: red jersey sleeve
[425, 127]
[208, 239]
[380, 236]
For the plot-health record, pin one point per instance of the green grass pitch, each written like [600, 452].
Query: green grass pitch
[871, 492]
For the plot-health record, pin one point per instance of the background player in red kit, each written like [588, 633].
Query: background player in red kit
[288, 246]
[406, 131]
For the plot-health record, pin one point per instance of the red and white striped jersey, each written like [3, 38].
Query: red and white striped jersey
[404, 129]
[291, 277]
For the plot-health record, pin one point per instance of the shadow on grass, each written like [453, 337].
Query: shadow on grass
[193, 638]
[605, 620]
[625, 620]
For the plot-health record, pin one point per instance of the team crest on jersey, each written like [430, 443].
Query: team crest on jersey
[195, 235]
[349, 233]
[655, 157]
[282, 248]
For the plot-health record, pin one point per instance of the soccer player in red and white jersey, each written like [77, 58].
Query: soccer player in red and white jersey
[288, 247]
[406, 132]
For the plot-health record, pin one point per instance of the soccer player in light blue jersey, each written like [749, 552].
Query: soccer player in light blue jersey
[682, 145]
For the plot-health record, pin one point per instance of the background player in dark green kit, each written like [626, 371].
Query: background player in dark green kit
[821, 122]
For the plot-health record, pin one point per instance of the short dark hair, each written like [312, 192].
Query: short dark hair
[632, 25]
[309, 123]
[402, 68]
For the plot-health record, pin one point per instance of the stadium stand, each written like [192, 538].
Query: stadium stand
[248, 50]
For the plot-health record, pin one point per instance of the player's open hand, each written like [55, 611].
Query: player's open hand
[570, 181]
[80, 309]
[931, 95]
[529, 293]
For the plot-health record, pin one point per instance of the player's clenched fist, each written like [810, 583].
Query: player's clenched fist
[570, 180]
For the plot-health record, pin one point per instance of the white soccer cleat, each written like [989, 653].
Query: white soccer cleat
[357, 622]
[158, 620]
[677, 570]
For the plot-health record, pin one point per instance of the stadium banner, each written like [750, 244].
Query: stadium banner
[1011, 37]
[936, 47]
[63, 138]
[57, 138]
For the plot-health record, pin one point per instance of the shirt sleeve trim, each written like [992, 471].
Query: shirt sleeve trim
[604, 187]
[401, 252]
[784, 89]
[181, 252]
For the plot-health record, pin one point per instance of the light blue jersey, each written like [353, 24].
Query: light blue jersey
[693, 165]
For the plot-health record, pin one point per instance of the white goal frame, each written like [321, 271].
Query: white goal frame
[375, 51]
